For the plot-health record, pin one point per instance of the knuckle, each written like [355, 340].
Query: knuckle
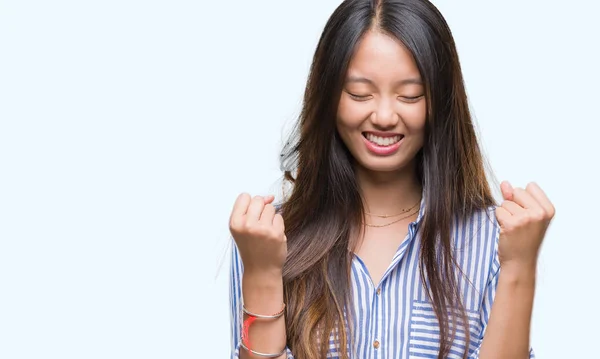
[552, 212]
[235, 223]
[233, 226]
[259, 231]
[246, 227]
[521, 221]
[272, 234]
[527, 220]
[277, 234]
[251, 228]
[538, 215]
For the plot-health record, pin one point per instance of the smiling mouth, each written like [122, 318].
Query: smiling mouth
[382, 141]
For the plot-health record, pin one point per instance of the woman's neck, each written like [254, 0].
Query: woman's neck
[389, 192]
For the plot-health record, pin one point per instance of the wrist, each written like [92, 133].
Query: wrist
[263, 276]
[518, 273]
[262, 292]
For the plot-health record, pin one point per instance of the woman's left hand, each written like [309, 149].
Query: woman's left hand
[524, 217]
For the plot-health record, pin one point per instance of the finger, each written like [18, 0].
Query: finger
[255, 209]
[269, 199]
[278, 223]
[507, 190]
[267, 214]
[512, 208]
[241, 205]
[503, 216]
[525, 199]
[538, 194]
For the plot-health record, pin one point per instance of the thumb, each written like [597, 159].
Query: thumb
[507, 190]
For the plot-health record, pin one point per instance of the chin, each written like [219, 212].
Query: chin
[382, 165]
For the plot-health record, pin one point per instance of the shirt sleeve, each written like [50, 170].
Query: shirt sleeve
[235, 299]
[489, 295]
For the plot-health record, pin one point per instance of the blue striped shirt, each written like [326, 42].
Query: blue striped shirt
[396, 318]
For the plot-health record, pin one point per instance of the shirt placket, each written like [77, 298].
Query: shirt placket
[378, 338]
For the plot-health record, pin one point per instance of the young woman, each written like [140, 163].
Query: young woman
[390, 244]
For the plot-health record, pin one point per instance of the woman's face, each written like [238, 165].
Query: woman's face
[382, 110]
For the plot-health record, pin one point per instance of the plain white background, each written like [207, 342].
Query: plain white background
[127, 129]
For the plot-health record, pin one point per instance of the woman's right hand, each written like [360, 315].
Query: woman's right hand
[259, 233]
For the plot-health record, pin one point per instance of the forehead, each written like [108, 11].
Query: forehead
[382, 58]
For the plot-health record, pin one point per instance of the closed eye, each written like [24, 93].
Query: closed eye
[410, 98]
[358, 97]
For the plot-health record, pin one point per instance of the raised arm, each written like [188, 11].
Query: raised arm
[524, 217]
[256, 278]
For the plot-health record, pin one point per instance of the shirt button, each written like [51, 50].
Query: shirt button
[376, 344]
[378, 291]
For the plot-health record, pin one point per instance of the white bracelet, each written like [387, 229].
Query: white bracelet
[263, 354]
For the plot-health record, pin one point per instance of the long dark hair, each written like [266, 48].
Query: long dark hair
[324, 209]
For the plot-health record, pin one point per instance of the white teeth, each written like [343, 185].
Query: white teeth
[383, 141]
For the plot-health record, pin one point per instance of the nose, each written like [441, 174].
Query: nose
[385, 116]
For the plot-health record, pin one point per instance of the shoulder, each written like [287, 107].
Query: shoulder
[479, 226]
[476, 238]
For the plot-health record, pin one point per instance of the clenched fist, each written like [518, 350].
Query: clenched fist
[524, 217]
[259, 233]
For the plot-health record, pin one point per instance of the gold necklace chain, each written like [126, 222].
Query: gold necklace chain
[389, 224]
[394, 215]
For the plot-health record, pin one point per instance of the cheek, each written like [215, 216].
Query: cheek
[350, 113]
[414, 117]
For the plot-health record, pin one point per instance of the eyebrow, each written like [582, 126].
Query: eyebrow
[409, 81]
